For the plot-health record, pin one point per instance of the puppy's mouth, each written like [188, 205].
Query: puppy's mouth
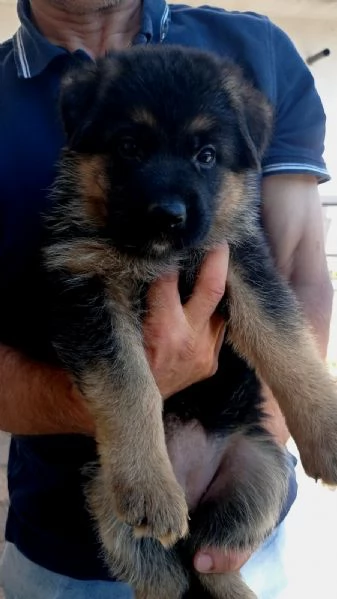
[165, 244]
[156, 247]
[160, 246]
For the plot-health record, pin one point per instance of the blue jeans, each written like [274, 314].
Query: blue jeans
[22, 579]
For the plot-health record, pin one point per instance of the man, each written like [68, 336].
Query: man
[52, 550]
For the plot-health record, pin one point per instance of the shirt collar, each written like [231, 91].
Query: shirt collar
[33, 53]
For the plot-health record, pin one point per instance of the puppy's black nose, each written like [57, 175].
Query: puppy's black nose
[168, 215]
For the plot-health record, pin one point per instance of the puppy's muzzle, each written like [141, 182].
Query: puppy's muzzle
[167, 216]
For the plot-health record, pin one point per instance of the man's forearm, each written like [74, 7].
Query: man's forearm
[37, 399]
[316, 302]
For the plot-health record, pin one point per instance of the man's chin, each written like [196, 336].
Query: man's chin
[83, 7]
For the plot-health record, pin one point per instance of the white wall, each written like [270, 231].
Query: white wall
[8, 20]
[310, 36]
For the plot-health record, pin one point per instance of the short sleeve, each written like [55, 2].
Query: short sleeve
[299, 130]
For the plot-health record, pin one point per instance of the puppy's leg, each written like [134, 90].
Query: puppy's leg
[153, 571]
[266, 328]
[102, 349]
[219, 586]
[241, 506]
[226, 586]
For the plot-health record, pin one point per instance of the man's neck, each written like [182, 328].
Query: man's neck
[96, 32]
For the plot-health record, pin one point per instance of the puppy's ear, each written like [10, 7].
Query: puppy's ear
[253, 111]
[79, 88]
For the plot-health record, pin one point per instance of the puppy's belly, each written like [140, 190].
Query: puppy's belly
[195, 456]
[239, 460]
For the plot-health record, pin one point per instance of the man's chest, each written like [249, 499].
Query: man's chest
[31, 138]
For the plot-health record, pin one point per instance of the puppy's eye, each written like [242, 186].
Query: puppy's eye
[129, 148]
[206, 156]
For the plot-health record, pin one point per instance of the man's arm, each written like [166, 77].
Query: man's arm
[37, 399]
[292, 219]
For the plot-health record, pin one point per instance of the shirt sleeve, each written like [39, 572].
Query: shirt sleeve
[299, 128]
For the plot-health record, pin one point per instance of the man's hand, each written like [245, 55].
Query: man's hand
[183, 342]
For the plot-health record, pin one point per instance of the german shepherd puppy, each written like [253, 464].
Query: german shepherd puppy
[162, 164]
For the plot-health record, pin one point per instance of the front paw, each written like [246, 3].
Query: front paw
[154, 506]
[318, 451]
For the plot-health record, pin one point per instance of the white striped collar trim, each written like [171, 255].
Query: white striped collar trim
[25, 70]
[164, 23]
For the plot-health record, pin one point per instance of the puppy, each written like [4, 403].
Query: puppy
[161, 165]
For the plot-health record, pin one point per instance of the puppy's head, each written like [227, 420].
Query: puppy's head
[160, 141]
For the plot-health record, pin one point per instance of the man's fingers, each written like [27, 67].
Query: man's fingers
[219, 327]
[183, 342]
[209, 287]
[219, 562]
[163, 297]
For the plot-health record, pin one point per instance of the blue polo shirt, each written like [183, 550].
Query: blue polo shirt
[47, 519]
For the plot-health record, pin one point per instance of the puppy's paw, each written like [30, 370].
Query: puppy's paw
[319, 458]
[321, 465]
[318, 451]
[153, 508]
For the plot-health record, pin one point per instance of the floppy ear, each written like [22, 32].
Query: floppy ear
[77, 100]
[253, 111]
